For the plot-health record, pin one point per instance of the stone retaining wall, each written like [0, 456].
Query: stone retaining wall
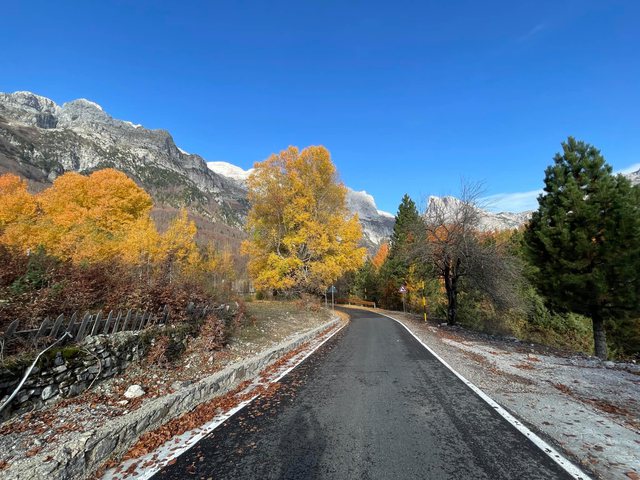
[70, 370]
[89, 450]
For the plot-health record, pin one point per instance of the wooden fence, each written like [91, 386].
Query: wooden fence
[81, 326]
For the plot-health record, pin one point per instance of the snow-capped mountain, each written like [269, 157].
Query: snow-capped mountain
[488, 221]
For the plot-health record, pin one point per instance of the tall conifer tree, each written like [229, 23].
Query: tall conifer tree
[584, 239]
[394, 270]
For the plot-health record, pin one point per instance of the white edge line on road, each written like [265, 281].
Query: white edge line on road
[551, 452]
[191, 439]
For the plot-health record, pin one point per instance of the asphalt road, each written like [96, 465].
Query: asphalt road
[372, 403]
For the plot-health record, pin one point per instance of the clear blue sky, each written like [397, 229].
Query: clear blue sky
[408, 96]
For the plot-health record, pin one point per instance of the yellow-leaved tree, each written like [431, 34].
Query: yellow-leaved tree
[89, 217]
[18, 209]
[178, 246]
[141, 246]
[301, 235]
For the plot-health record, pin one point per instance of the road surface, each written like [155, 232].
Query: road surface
[372, 403]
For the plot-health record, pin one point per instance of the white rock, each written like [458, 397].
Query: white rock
[134, 391]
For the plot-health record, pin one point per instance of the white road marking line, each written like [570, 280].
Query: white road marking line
[547, 449]
[179, 444]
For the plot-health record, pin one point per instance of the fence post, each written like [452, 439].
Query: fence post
[143, 319]
[13, 326]
[56, 326]
[116, 325]
[96, 324]
[127, 320]
[42, 329]
[107, 322]
[83, 326]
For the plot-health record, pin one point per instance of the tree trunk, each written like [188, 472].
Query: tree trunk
[599, 337]
[451, 287]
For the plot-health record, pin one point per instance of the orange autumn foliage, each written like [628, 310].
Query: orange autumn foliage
[89, 217]
[18, 209]
[380, 256]
[100, 217]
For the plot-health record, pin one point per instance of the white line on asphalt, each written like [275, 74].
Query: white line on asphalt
[547, 449]
[178, 445]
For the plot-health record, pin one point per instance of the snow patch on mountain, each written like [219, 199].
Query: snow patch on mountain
[386, 214]
[134, 125]
[230, 171]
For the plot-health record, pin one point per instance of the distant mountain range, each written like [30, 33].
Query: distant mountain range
[40, 140]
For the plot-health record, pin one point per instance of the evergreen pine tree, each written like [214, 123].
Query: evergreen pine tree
[407, 219]
[394, 270]
[584, 239]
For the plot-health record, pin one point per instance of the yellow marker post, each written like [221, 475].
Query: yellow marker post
[424, 300]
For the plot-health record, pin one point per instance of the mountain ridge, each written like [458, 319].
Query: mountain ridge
[40, 140]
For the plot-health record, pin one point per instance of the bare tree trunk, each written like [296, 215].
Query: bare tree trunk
[451, 287]
[599, 337]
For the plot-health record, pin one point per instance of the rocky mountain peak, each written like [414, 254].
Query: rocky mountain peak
[30, 109]
[488, 221]
[230, 171]
[29, 101]
[634, 177]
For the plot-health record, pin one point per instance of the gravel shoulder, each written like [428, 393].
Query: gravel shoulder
[41, 431]
[589, 409]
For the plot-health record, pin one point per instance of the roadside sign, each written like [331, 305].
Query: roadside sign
[403, 289]
[332, 290]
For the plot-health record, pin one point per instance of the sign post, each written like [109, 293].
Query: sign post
[333, 290]
[403, 291]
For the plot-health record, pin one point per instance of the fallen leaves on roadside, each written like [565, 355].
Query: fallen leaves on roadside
[524, 366]
[205, 412]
